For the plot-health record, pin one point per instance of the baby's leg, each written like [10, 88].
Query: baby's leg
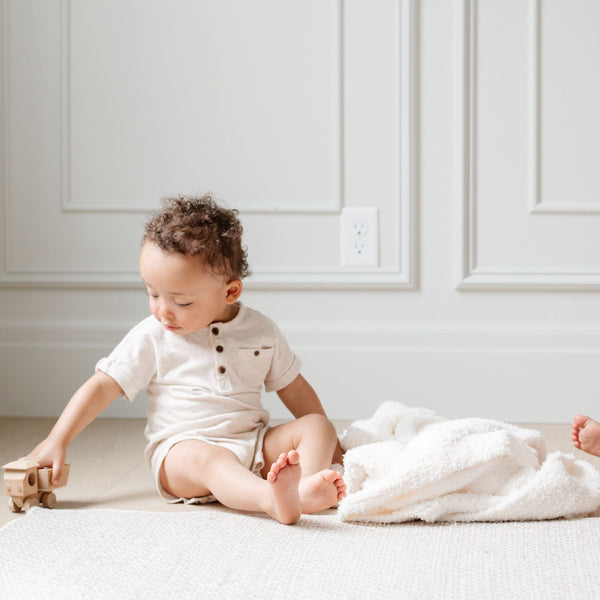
[193, 468]
[315, 439]
[585, 433]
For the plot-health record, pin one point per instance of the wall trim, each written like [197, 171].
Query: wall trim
[470, 276]
[515, 371]
[537, 204]
[335, 202]
[347, 333]
[400, 275]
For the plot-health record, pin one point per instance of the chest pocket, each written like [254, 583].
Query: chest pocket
[254, 364]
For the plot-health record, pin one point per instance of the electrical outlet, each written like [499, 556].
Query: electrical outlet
[359, 229]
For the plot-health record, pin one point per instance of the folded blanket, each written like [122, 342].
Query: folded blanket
[408, 463]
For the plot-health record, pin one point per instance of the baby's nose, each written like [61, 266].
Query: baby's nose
[164, 311]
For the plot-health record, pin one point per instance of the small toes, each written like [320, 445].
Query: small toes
[284, 460]
[276, 468]
[332, 476]
[329, 476]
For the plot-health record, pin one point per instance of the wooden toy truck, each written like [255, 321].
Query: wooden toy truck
[28, 484]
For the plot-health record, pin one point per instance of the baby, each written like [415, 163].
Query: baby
[203, 358]
[585, 433]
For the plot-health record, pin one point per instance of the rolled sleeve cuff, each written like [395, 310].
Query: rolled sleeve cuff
[287, 378]
[129, 388]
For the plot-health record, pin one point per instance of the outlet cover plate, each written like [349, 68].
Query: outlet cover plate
[359, 235]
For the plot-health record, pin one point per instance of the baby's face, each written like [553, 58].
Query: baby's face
[184, 295]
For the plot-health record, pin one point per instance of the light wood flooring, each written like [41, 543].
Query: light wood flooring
[108, 468]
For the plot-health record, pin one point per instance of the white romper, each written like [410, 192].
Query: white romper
[205, 385]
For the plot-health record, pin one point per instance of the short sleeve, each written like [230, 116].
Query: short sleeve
[285, 366]
[132, 364]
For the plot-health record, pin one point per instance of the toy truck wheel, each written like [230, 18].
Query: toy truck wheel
[27, 504]
[14, 507]
[49, 499]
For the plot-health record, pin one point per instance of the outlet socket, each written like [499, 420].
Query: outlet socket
[359, 234]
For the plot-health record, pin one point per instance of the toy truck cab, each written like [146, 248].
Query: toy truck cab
[28, 484]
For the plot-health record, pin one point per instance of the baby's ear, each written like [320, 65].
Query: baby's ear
[233, 290]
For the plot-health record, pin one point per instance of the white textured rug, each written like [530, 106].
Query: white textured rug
[64, 554]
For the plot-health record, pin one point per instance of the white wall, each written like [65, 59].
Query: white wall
[470, 125]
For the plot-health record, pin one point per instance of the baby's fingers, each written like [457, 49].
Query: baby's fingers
[57, 467]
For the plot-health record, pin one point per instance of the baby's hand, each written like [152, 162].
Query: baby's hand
[49, 453]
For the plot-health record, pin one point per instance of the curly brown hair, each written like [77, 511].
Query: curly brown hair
[198, 226]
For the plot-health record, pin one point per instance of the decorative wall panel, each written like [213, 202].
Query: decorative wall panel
[528, 187]
[109, 107]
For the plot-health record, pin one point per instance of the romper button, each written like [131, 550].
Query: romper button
[222, 370]
[219, 348]
[256, 353]
[215, 330]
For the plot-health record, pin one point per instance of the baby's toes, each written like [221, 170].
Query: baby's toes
[282, 461]
[331, 476]
[273, 472]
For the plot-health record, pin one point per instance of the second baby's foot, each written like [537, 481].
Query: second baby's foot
[283, 479]
[321, 490]
[585, 433]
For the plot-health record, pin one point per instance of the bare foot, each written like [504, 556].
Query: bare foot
[585, 434]
[321, 490]
[283, 478]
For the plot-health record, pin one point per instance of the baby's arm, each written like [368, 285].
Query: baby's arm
[301, 399]
[96, 394]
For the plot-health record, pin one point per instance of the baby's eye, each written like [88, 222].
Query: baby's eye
[183, 305]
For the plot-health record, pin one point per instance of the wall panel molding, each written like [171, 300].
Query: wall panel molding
[399, 272]
[537, 204]
[470, 274]
[331, 205]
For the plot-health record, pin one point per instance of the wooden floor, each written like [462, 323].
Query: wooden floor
[108, 468]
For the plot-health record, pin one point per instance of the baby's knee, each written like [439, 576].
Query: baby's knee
[320, 424]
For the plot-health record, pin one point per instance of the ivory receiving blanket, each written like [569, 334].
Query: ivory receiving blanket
[408, 463]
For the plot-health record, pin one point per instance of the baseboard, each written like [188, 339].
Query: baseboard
[521, 372]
